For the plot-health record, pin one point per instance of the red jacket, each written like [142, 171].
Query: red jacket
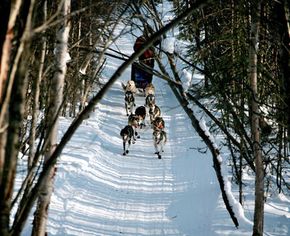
[148, 54]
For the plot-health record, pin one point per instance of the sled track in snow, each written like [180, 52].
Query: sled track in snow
[112, 194]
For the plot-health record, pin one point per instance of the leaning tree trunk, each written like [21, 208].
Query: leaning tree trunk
[56, 97]
[181, 97]
[6, 37]
[259, 182]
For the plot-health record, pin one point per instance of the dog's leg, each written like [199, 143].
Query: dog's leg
[131, 108]
[136, 134]
[126, 107]
[156, 148]
[129, 143]
[162, 144]
[133, 137]
[142, 123]
[124, 147]
[159, 156]
[151, 118]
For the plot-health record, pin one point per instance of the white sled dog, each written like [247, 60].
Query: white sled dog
[159, 140]
[127, 134]
[149, 89]
[130, 86]
[129, 102]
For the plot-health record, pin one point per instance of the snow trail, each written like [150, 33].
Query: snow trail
[137, 194]
[101, 192]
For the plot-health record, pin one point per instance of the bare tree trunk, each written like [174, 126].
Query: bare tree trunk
[6, 42]
[5, 36]
[286, 65]
[32, 158]
[255, 129]
[36, 91]
[56, 98]
[16, 111]
[5, 51]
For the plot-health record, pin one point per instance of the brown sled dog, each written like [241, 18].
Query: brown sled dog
[149, 89]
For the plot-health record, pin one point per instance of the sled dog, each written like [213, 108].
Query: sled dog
[150, 99]
[129, 102]
[149, 89]
[130, 86]
[159, 140]
[134, 121]
[141, 113]
[127, 134]
[154, 111]
[158, 123]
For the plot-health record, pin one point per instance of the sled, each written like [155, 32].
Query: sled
[139, 76]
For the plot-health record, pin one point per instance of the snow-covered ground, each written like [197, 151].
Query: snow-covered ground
[138, 194]
[98, 191]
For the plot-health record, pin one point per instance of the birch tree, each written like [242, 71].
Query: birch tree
[255, 117]
[9, 13]
[56, 98]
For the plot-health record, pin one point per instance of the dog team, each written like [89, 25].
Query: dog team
[136, 119]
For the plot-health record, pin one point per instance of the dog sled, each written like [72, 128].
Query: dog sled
[142, 77]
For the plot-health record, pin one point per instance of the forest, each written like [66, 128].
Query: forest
[53, 55]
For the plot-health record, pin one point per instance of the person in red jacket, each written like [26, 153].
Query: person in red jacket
[147, 57]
